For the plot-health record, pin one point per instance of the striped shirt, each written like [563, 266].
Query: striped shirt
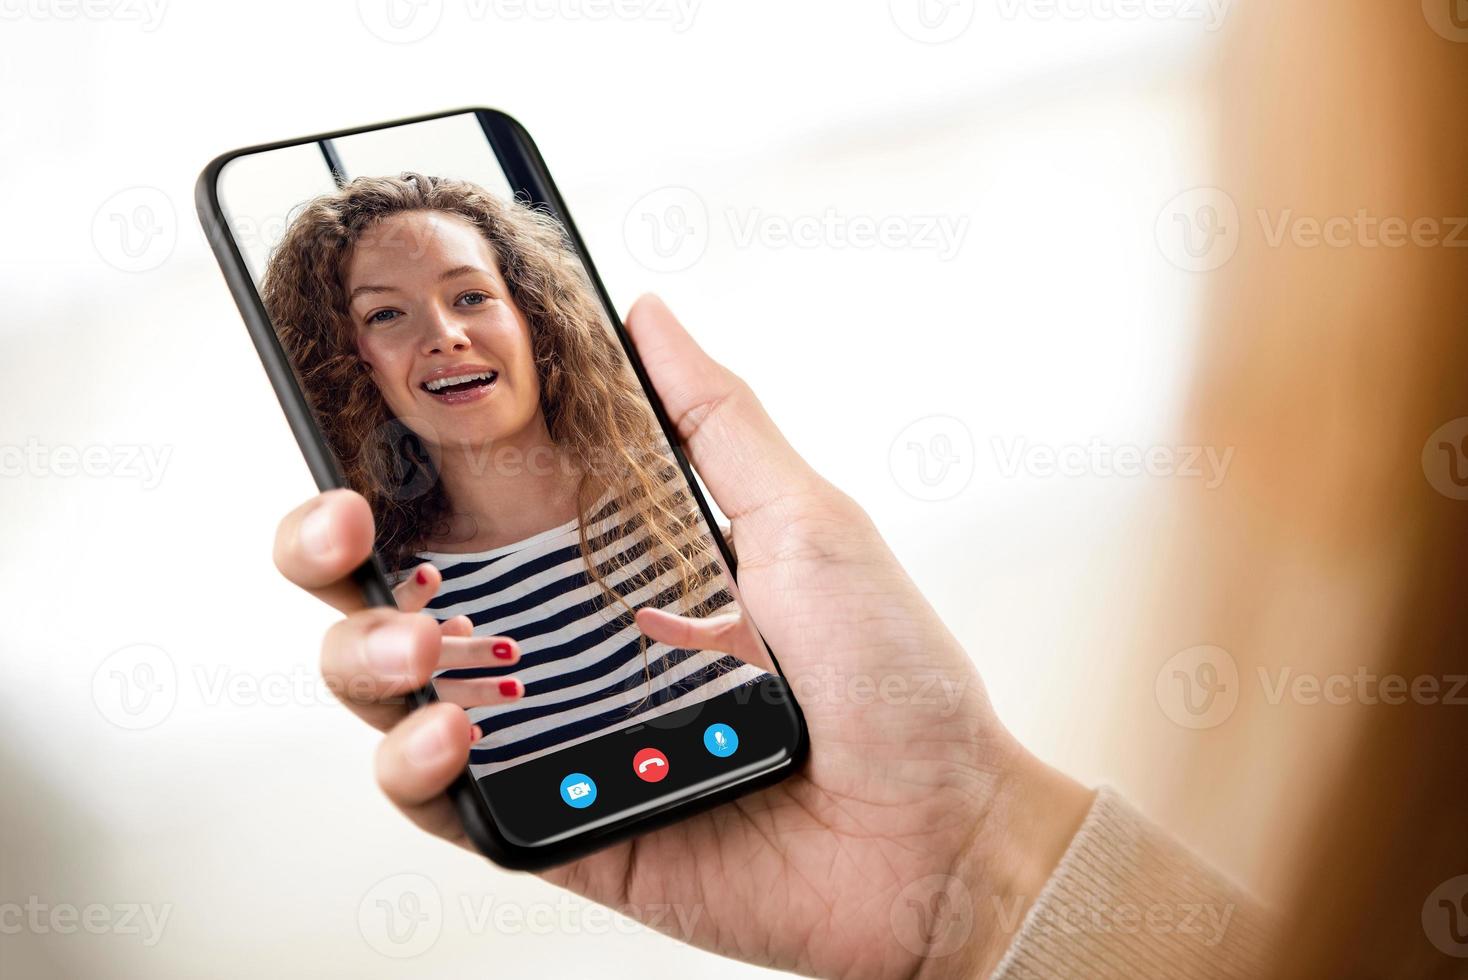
[582, 659]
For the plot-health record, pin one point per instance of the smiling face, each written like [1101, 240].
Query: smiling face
[436, 324]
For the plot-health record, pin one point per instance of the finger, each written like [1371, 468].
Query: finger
[421, 585]
[478, 651]
[736, 447]
[319, 544]
[458, 626]
[479, 692]
[419, 759]
[374, 659]
[686, 632]
[729, 633]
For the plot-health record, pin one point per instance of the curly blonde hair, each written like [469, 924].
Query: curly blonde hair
[594, 408]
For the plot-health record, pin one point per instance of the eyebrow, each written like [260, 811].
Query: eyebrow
[454, 273]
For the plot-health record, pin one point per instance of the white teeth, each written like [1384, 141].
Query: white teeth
[438, 384]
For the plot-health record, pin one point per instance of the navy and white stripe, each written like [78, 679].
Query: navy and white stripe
[581, 652]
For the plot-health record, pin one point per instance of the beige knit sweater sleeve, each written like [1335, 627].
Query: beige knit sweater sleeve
[1128, 901]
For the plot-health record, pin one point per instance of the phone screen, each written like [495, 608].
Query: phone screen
[460, 361]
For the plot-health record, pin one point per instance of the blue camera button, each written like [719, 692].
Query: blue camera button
[578, 790]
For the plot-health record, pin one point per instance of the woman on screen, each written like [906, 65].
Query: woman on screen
[465, 377]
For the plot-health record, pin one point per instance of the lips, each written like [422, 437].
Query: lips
[455, 385]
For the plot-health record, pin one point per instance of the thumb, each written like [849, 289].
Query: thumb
[736, 447]
[727, 633]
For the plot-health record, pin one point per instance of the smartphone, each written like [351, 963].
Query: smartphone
[441, 343]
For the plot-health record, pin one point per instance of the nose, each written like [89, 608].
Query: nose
[445, 335]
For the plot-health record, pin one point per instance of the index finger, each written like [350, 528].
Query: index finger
[320, 543]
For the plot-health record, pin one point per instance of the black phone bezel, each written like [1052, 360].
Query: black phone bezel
[526, 169]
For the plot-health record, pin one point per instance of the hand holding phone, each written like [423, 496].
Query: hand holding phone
[912, 779]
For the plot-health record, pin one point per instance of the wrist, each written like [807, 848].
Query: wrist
[1030, 821]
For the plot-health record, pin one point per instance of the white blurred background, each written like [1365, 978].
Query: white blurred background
[1016, 156]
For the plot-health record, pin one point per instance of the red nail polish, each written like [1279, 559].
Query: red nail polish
[422, 576]
[502, 650]
[510, 688]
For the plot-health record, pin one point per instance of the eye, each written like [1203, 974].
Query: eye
[474, 298]
[382, 316]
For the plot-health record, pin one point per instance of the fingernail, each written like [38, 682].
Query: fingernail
[316, 533]
[502, 650]
[427, 746]
[422, 576]
[390, 649]
[478, 734]
[510, 688]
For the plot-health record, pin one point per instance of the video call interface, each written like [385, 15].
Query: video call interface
[460, 363]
